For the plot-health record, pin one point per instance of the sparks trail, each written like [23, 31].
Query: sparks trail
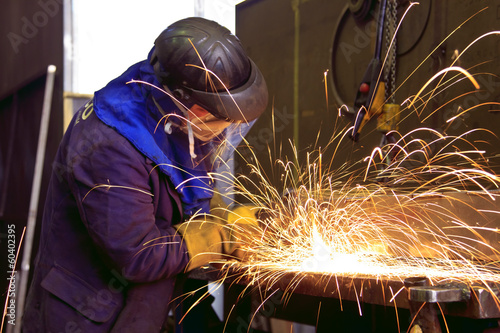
[345, 230]
[357, 230]
[374, 229]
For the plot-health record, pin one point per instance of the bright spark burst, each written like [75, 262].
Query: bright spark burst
[331, 225]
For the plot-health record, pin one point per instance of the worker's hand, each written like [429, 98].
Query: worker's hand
[203, 239]
[210, 238]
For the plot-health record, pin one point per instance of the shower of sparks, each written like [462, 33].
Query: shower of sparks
[372, 230]
[400, 215]
[332, 226]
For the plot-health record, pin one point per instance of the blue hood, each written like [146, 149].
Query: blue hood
[129, 109]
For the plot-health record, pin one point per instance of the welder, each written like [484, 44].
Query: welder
[133, 167]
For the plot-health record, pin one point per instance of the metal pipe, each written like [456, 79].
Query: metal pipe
[296, 73]
[35, 195]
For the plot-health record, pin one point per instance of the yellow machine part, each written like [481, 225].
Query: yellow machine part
[389, 119]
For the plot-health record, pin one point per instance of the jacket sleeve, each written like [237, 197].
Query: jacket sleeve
[112, 188]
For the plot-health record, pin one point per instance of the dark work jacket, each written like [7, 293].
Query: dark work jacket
[108, 253]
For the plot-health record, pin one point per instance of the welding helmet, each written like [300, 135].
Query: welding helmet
[203, 63]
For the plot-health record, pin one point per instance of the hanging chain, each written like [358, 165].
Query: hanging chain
[391, 15]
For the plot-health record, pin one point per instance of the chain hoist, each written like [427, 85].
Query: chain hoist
[389, 118]
[390, 42]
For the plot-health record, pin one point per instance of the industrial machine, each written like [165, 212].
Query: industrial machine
[315, 53]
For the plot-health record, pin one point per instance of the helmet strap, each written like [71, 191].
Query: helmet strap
[186, 114]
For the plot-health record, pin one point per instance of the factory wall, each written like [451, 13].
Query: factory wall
[31, 39]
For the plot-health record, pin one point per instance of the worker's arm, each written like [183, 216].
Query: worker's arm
[221, 235]
[113, 189]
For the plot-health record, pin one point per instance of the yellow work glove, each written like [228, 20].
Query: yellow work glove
[244, 228]
[212, 238]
